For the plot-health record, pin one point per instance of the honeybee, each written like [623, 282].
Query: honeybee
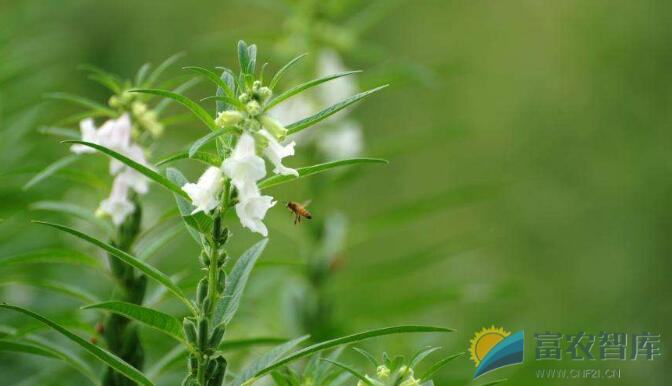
[299, 211]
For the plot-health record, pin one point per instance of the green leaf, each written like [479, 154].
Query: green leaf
[367, 355]
[161, 68]
[229, 80]
[150, 247]
[235, 284]
[73, 292]
[349, 339]
[73, 210]
[252, 58]
[305, 86]
[207, 138]
[319, 168]
[147, 316]
[197, 223]
[147, 172]
[38, 348]
[260, 363]
[243, 56]
[421, 355]
[206, 158]
[214, 78]
[88, 103]
[142, 74]
[106, 79]
[52, 255]
[178, 90]
[147, 269]
[438, 366]
[194, 107]
[313, 119]
[349, 369]
[51, 170]
[278, 75]
[104, 356]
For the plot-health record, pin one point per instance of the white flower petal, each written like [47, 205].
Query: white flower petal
[244, 166]
[116, 133]
[117, 205]
[205, 193]
[275, 152]
[88, 129]
[252, 211]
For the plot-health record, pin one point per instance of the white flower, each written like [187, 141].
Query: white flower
[244, 167]
[275, 152]
[135, 179]
[205, 193]
[115, 133]
[117, 205]
[273, 126]
[252, 209]
[89, 134]
[343, 141]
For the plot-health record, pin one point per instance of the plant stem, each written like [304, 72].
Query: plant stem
[121, 334]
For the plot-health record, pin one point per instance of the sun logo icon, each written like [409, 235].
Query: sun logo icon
[494, 347]
[484, 340]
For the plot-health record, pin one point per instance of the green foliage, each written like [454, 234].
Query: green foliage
[101, 354]
[315, 169]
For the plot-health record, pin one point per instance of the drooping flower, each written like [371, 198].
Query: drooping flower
[117, 205]
[228, 118]
[115, 133]
[273, 126]
[275, 152]
[205, 193]
[251, 210]
[244, 167]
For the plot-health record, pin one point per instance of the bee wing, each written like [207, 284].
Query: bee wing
[306, 203]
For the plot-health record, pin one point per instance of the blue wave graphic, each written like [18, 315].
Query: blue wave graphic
[507, 352]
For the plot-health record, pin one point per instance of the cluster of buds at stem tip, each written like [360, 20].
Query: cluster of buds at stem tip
[384, 376]
[260, 135]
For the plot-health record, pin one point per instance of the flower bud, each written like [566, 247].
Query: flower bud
[256, 85]
[189, 330]
[253, 107]
[265, 93]
[203, 334]
[382, 371]
[202, 290]
[229, 118]
[273, 126]
[217, 336]
[244, 97]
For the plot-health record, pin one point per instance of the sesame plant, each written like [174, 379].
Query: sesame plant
[245, 137]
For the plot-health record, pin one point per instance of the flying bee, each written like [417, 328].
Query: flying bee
[299, 211]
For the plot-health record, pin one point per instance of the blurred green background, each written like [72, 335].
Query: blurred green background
[528, 185]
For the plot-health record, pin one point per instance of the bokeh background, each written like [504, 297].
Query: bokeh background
[528, 185]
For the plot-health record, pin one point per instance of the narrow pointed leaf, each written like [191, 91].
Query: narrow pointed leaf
[142, 73]
[214, 78]
[349, 339]
[103, 355]
[178, 90]
[367, 355]
[305, 86]
[152, 318]
[145, 268]
[319, 168]
[243, 56]
[278, 75]
[251, 58]
[161, 68]
[88, 103]
[207, 138]
[229, 91]
[60, 132]
[265, 360]
[349, 369]
[52, 255]
[147, 172]
[194, 107]
[206, 158]
[235, 284]
[313, 119]
[51, 170]
[438, 366]
[420, 355]
[38, 348]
